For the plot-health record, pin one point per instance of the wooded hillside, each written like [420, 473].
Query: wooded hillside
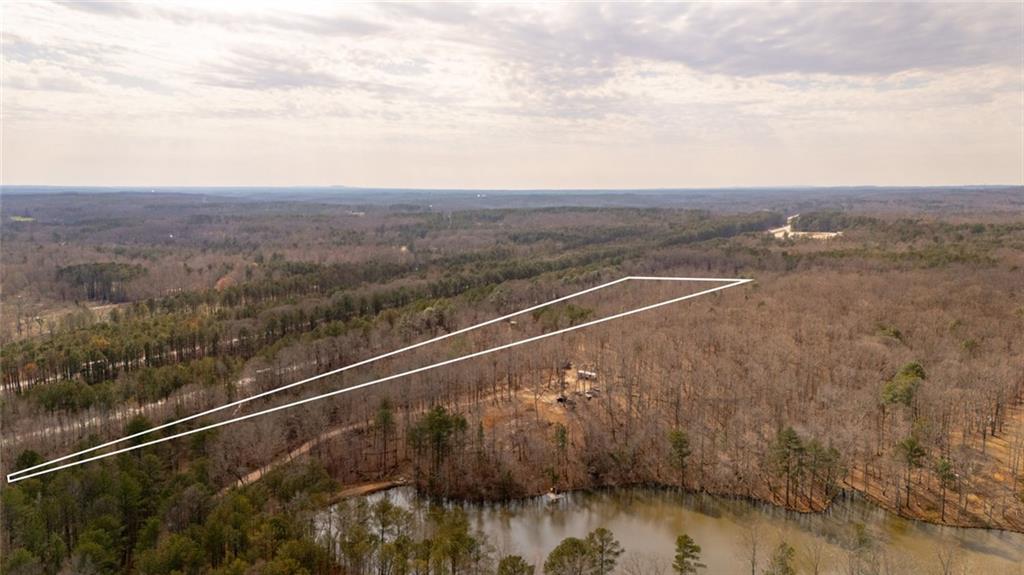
[888, 361]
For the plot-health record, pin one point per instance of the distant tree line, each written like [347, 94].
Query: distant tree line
[103, 281]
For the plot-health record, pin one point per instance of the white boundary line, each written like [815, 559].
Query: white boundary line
[24, 473]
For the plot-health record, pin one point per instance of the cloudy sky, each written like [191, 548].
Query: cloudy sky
[512, 95]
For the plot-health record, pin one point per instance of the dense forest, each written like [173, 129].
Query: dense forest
[886, 362]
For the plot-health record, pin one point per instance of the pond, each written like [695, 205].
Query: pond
[647, 521]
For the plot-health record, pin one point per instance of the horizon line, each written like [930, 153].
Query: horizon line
[343, 187]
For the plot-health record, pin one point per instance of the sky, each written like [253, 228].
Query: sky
[511, 95]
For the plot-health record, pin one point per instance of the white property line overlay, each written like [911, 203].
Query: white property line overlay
[24, 473]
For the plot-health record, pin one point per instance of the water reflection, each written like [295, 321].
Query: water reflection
[852, 534]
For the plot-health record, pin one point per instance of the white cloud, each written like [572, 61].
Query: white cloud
[512, 95]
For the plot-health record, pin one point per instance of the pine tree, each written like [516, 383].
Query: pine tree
[911, 453]
[680, 444]
[687, 558]
[604, 549]
[571, 557]
[514, 565]
[786, 457]
[944, 470]
[781, 562]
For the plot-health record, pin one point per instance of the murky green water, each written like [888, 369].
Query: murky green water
[647, 522]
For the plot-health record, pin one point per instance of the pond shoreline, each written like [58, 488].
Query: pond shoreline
[646, 519]
[845, 494]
